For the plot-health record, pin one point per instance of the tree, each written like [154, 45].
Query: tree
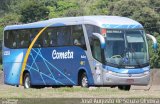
[4, 6]
[8, 19]
[52, 12]
[63, 7]
[99, 7]
[138, 10]
[33, 11]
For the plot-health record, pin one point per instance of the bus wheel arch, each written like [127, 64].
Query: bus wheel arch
[26, 79]
[83, 78]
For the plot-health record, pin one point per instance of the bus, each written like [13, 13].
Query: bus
[77, 51]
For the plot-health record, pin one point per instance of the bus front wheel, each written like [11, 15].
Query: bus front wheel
[84, 80]
[124, 87]
[27, 81]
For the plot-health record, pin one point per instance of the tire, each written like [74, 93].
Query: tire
[84, 80]
[38, 87]
[124, 87]
[70, 86]
[27, 81]
[56, 86]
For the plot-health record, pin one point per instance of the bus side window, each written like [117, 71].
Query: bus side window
[45, 38]
[67, 35]
[49, 38]
[90, 30]
[24, 38]
[78, 37]
[8, 39]
[39, 42]
[96, 50]
[60, 37]
[53, 37]
[63, 36]
[16, 39]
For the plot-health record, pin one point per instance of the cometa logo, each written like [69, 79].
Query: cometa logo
[62, 55]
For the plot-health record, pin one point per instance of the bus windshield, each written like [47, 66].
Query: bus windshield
[126, 48]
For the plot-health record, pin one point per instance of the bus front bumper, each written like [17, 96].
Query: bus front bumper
[111, 78]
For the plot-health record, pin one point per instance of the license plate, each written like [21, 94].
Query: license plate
[130, 81]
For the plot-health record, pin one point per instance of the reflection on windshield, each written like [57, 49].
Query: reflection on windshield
[126, 47]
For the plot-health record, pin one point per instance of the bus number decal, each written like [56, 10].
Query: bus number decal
[6, 53]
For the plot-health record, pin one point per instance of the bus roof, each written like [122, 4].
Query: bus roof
[110, 22]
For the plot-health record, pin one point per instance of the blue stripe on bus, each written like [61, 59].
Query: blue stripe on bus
[118, 26]
[127, 71]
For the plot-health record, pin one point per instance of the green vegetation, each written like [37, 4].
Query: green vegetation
[147, 12]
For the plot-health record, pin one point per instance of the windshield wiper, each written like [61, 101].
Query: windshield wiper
[123, 60]
[126, 57]
[134, 56]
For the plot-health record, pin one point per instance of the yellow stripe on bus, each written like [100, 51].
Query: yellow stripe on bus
[28, 52]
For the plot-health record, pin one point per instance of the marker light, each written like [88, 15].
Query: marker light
[103, 32]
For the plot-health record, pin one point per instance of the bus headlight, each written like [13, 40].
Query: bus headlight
[111, 72]
[146, 72]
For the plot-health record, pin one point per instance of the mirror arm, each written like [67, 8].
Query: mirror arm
[155, 44]
[101, 38]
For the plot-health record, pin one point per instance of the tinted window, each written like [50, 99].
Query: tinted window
[77, 37]
[96, 50]
[23, 38]
[63, 36]
[53, 36]
[48, 39]
[90, 30]
[16, 39]
[57, 36]
[8, 39]
[39, 42]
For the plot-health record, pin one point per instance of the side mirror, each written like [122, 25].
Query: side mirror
[155, 44]
[101, 38]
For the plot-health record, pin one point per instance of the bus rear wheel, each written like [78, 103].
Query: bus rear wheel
[84, 80]
[27, 81]
[124, 87]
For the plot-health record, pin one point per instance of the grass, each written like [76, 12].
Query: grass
[7, 91]
[75, 92]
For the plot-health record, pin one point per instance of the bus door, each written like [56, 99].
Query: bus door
[97, 62]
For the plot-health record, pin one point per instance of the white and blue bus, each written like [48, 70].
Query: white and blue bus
[86, 51]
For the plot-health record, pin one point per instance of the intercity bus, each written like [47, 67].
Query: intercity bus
[77, 51]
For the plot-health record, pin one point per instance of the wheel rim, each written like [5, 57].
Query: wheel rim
[27, 82]
[84, 81]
